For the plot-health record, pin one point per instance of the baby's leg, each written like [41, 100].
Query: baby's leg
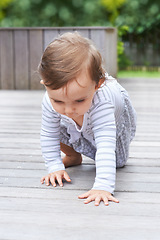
[72, 157]
[122, 151]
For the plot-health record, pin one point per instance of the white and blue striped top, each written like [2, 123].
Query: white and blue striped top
[99, 127]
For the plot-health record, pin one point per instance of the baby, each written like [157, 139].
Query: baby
[84, 111]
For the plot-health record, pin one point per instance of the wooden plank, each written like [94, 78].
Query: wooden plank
[147, 175]
[20, 125]
[133, 165]
[10, 144]
[110, 54]
[16, 110]
[99, 38]
[32, 226]
[83, 32]
[35, 53]
[19, 157]
[145, 144]
[19, 131]
[6, 60]
[38, 158]
[21, 59]
[33, 205]
[55, 28]
[65, 30]
[146, 149]
[46, 193]
[144, 162]
[84, 182]
[23, 95]
[18, 120]
[20, 151]
[12, 150]
[104, 40]
[132, 168]
[7, 143]
[22, 165]
[20, 111]
[143, 81]
[145, 155]
[9, 140]
[18, 135]
[132, 162]
[49, 36]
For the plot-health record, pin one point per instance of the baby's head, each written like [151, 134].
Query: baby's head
[65, 58]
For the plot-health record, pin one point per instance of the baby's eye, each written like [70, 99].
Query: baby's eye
[56, 101]
[80, 100]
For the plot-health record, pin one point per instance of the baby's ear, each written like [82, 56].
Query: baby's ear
[101, 81]
[42, 82]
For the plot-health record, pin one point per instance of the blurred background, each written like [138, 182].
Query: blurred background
[137, 21]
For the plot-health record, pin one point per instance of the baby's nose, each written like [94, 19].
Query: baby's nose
[68, 110]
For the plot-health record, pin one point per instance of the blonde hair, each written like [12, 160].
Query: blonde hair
[66, 56]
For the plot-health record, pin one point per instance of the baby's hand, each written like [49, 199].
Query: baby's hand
[98, 196]
[56, 176]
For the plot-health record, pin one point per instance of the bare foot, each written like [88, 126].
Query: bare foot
[74, 160]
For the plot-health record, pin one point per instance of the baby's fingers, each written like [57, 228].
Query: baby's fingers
[113, 199]
[97, 200]
[53, 181]
[47, 178]
[90, 199]
[66, 177]
[42, 179]
[59, 180]
[84, 195]
[105, 200]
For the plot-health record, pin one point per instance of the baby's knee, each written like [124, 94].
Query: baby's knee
[121, 159]
[120, 164]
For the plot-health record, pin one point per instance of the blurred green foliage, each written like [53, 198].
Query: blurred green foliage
[138, 15]
[113, 8]
[129, 16]
[3, 5]
[123, 60]
[55, 13]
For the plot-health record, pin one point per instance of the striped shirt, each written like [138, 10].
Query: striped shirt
[99, 127]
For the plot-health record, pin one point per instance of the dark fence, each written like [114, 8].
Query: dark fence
[143, 50]
[21, 50]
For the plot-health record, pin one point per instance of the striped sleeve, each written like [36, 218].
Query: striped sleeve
[50, 137]
[104, 129]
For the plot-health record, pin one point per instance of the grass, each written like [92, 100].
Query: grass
[144, 74]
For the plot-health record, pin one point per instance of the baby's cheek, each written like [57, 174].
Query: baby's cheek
[57, 109]
[85, 108]
[88, 105]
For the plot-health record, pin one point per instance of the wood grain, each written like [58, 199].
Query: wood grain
[30, 210]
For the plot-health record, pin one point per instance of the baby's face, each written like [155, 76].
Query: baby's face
[75, 99]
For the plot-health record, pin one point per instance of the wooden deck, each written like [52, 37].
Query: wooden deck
[32, 211]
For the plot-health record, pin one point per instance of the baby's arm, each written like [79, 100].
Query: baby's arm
[54, 177]
[104, 129]
[50, 142]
